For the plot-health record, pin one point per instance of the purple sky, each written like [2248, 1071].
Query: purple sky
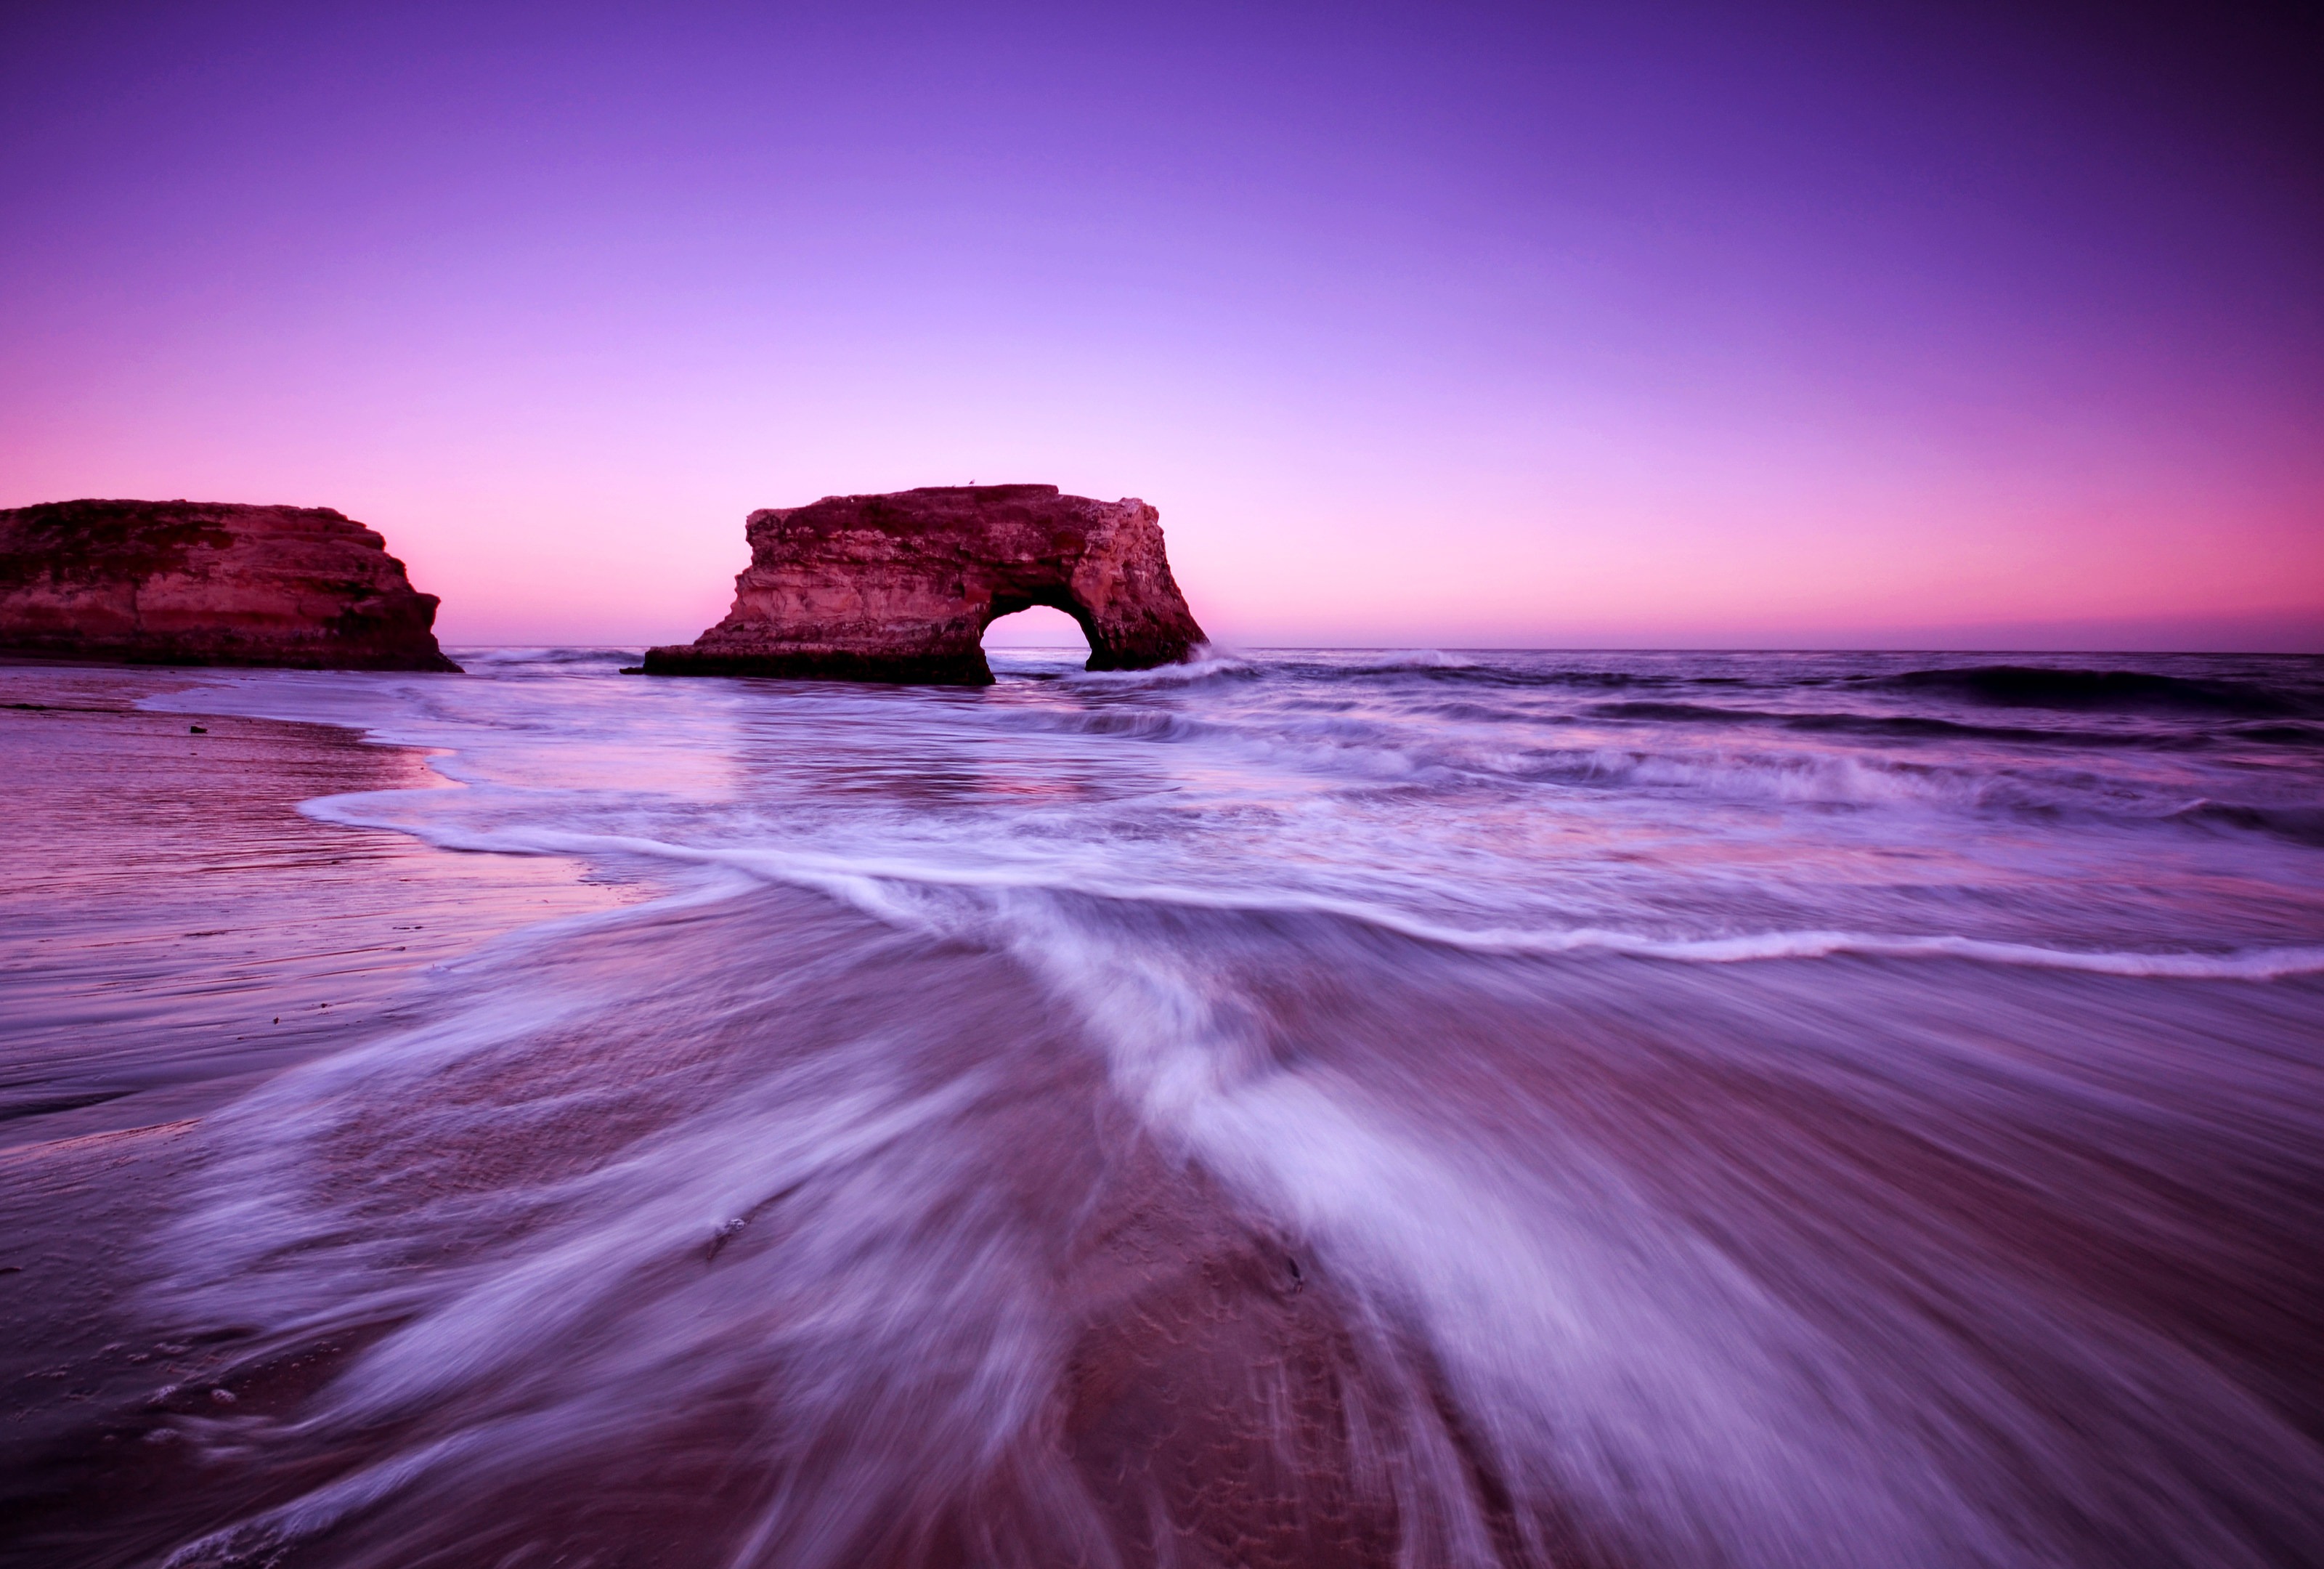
[1621, 325]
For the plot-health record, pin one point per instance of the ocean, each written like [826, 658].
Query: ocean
[1297, 1108]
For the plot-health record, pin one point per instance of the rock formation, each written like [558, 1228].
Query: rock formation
[900, 587]
[205, 583]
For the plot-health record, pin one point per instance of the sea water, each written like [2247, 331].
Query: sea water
[1310, 1107]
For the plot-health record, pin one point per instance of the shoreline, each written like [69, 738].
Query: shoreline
[168, 905]
[168, 887]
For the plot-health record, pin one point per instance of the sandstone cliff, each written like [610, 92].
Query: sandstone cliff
[203, 583]
[900, 587]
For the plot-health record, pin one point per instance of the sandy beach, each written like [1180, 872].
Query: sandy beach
[171, 931]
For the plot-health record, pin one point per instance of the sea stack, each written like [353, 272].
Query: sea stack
[209, 583]
[900, 587]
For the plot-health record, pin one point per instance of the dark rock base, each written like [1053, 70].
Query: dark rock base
[925, 670]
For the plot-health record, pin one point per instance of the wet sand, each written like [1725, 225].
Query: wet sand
[171, 925]
[172, 930]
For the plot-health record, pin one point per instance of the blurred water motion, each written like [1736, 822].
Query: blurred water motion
[1296, 1109]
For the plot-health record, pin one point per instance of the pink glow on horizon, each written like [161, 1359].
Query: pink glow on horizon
[1659, 370]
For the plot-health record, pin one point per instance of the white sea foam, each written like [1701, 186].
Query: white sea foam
[882, 888]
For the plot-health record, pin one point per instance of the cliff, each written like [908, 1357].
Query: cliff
[206, 583]
[900, 587]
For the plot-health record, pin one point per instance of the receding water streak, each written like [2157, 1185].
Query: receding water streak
[1352, 1109]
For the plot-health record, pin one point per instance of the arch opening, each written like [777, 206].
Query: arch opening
[1034, 625]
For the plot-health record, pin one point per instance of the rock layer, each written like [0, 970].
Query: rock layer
[209, 583]
[900, 587]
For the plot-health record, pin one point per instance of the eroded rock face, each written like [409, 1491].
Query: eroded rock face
[900, 587]
[209, 583]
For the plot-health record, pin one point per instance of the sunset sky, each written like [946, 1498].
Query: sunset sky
[1625, 325]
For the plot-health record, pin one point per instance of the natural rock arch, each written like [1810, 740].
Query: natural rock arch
[900, 587]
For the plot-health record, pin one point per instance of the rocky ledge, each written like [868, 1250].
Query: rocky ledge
[900, 587]
[207, 583]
